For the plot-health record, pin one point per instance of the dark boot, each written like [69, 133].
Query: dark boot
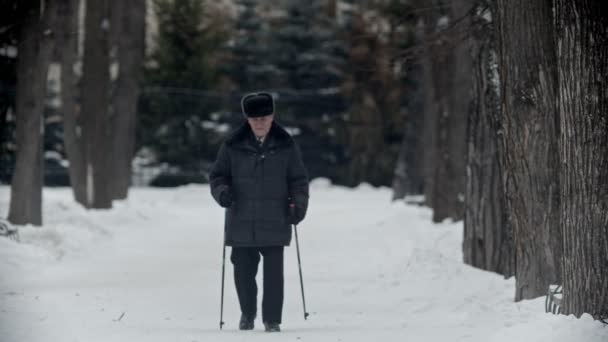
[272, 327]
[246, 323]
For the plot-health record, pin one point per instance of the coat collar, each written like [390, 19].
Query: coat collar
[243, 136]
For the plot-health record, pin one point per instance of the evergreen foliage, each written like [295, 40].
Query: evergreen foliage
[176, 103]
[249, 66]
[307, 47]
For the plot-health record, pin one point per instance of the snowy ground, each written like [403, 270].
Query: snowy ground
[149, 270]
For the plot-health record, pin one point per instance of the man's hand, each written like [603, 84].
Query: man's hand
[295, 214]
[226, 198]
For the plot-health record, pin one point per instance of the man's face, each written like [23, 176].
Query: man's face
[261, 125]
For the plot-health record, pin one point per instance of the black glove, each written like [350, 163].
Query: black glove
[295, 214]
[226, 198]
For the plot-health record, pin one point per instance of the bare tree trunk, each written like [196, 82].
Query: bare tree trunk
[130, 45]
[34, 55]
[95, 102]
[67, 40]
[447, 84]
[582, 38]
[488, 240]
[364, 139]
[529, 141]
[429, 135]
[401, 181]
[366, 123]
[452, 185]
[430, 107]
[408, 176]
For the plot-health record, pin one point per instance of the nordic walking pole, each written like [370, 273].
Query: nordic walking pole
[295, 229]
[223, 270]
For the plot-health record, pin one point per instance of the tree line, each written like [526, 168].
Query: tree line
[98, 109]
[334, 74]
[515, 141]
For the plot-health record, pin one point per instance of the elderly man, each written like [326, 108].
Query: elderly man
[260, 179]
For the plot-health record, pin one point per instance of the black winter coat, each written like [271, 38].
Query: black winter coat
[262, 180]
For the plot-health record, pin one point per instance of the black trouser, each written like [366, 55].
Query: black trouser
[245, 261]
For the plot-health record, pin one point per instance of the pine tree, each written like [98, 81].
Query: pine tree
[182, 57]
[178, 78]
[308, 49]
[249, 66]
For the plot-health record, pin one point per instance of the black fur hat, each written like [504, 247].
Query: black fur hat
[257, 104]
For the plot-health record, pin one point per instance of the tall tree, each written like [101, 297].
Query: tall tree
[582, 58]
[394, 88]
[34, 55]
[488, 238]
[374, 118]
[67, 43]
[95, 102]
[446, 81]
[429, 61]
[528, 130]
[362, 129]
[129, 22]
[408, 176]
[449, 184]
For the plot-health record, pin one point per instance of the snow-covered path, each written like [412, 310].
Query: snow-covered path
[149, 270]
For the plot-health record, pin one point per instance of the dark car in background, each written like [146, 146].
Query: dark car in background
[55, 171]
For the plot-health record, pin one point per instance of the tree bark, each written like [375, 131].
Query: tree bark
[582, 54]
[488, 238]
[34, 55]
[95, 101]
[528, 131]
[67, 40]
[130, 43]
